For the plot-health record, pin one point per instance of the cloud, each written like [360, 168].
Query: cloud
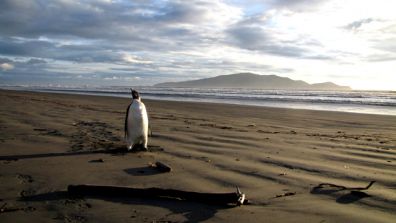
[50, 50]
[98, 31]
[257, 34]
[5, 60]
[358, 24]
[6, 66]
[122, 20]
[31, 48]
[298, 5]
[111, 78]
[127, 78]
[161, 40]
[381, 57]
[134, 59]
[253, 7]
[387, 45]
[35, 61]
[89, 33]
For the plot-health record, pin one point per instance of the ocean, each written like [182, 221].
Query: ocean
[368, 102]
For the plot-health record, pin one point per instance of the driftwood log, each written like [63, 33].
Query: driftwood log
[236, 198]
[322, 185]
[163, 167]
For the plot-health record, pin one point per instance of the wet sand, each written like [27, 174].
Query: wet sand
[293, 165]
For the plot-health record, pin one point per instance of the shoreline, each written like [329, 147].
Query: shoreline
[276, 156]
[200, 102]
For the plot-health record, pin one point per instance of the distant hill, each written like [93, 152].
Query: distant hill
[253, 81]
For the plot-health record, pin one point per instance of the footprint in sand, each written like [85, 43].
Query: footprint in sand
[8, 161]
[73, 210]
[79, 204]
[24, 178]
[93, 135]
[50, 132]
[27, 193]
[70, 218]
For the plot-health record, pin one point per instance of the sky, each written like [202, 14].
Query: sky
[144, 42]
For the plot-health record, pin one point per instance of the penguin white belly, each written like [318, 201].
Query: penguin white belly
[137, 125]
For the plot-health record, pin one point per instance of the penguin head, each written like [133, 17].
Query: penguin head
[135, 94]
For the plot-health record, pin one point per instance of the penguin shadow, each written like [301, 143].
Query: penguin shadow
[142, 171]
[192, 211]
[343, 195]
[351, 197]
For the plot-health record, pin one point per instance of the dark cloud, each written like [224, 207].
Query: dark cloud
[5, 60]
[257, 38]
[381, 57]
[256, 33]
[388, 45]
[41, 77]
[183, 12]
[43, 34]
[30, 48]
[358, 24]
[55, 18]
[83, 40]
[297, 5]
[36, 72]
[51, 50]
[92, 20]
[258, 6]
[35, 61]
[91, 31]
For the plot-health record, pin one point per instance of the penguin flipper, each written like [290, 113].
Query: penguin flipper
[126, 122]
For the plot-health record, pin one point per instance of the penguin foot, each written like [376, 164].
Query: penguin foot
[137, 148]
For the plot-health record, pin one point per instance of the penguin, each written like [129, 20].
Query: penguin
[136, 123]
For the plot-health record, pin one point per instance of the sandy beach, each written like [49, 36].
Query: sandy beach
[293, 165]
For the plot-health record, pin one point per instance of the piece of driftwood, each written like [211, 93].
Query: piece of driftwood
[236, 198]
[349, 194]
[322, 185]
[285, 194]
[5, 209]
[163, 167]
